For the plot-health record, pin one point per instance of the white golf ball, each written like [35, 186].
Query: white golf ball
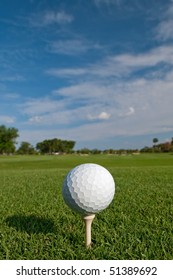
[88, 188]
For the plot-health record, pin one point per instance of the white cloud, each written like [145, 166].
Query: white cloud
[83, 91]
[104, 108]
[72, 46]
[61, 17]
[10, 96]
[50, 111]
[163, 54]
[12, 78]
[104, 116]
[53, 118]
[50, 17]
[151, 110]
[101, 116]
[127, 113]
[164, 28]
[136, 105]
[120, 65]
[67, 72]
[35, 119]
[38, 106]
[6, 119]
[169, 76]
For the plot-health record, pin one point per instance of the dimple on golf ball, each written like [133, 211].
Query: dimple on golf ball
[88, 188]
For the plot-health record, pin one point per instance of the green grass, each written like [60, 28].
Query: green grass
[35, 223]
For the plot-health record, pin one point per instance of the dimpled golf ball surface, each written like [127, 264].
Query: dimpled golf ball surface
[88, 188]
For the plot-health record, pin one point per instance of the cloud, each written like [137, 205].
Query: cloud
[6, 119]
[72, 47]
[128, 98]
[101, 116]
[163, 54]
[132, 110]
[121, 65]
[129, 112]
[9, 96]
[50, 17]
[86, 91]
[136, 106]
[133, 107]
[67, 72]
[14, 78]
[37, 106]
[164, 28]
[35, 119]
[69, 110]
[61, 17]
[63, 117]
[108, 98]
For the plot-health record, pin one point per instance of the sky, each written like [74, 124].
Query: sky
[98, 72]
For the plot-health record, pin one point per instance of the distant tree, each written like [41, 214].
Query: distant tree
[26, 149]
[121, 151]
[111, 151]
[95, 151]
[67, 146]
[155, 140]
[146, 149]
[43, 147]
[165, 147]
[8, 139]
[84, 151]
[55, 146]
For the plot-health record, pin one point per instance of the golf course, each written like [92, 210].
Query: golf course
[35, 223]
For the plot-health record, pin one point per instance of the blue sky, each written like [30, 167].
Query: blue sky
[99, 72]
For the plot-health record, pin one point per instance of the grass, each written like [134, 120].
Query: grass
[35, 223]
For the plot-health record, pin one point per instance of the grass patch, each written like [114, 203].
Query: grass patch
[35, 223]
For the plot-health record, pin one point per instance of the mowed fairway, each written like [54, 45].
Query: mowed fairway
[35, 223]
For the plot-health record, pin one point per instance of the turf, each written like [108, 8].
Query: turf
[35, 223]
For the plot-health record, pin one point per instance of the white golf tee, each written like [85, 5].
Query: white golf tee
[88, 221]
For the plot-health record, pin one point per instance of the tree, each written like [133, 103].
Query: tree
[8, 139]
[26, 149]
[95, 152]
[84, 151]
[146, 149]
[165, 147]
[155, 140]
[55, 146]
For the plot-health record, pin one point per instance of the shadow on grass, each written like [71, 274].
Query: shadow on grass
[31, 224]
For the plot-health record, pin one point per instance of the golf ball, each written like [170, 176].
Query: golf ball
[88, 188]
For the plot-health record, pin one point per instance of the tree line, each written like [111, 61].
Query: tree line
[159, 147]
[8, 143]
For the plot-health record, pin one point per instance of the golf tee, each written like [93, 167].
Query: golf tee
[88, 222]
